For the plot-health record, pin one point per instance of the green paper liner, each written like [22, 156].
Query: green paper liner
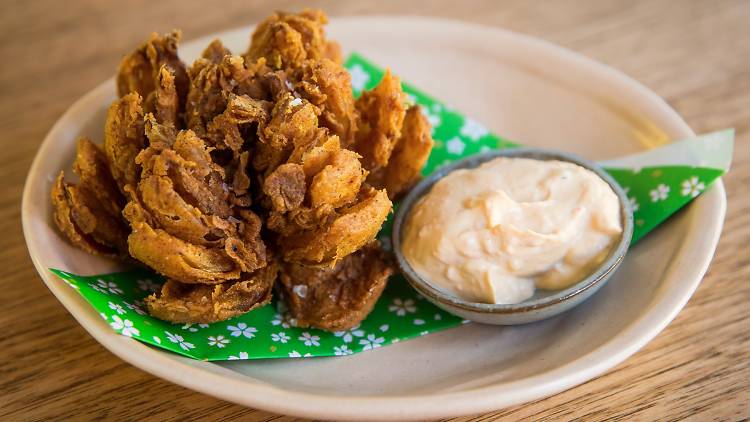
[401, 313]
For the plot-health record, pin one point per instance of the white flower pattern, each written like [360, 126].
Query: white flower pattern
[218, 341]
[371, 342]
[359, 77]
[349, 335]
[192, 329]
[473, 129]
[242, 330]
[296, 354]
[284, 320]
[104, 286]
[125, 326]
[179, 340]
[137, 306]
[280, 337]
[692, 187]
[455, 146]
[401, 307]
[342, 351]
[242, 356]
[309, 339]
[433, 118]
[634, 204]
[660, 193]
[117, 308]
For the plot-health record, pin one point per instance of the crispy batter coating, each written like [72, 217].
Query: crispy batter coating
[286, 40]
[382, 115]
[352, 228]
[299, 221]
[340, 297]
[215, 52]
[247, 249]
[409, 155]
[247, 78]
[177, 258]
[328, 86]
[166, 103]
[175, 213]
[124, 138]
[314, 159]
[240, 188]
[94, 175]
[183, 223]
[189, 165]
[293, 124]
[286, 188]
[314, 188]
[205, 99]
[338, 183]
[218, 175]
[139, 71]
[212, 83]
[202, 303]
[333, 52]
[224, 131]
[89, 213]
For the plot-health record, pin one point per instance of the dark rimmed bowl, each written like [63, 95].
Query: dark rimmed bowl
[545, 303]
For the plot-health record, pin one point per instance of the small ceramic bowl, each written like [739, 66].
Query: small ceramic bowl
[545, 303]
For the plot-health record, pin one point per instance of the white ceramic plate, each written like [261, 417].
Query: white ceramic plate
[524, 89]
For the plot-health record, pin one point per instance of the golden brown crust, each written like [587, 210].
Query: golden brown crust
[89, 213]
[224, 130]
[139, 71]
[333, 52]
[354, 227]
[66, 204]
[285, 40]
[293, 125]
[340, 297]
[338, 183]
[182, 220]
[328, 86]
[285, 187]
[179, 259]
[166, 103]
[382, 115]
[409, 155]
[124, 138]
[190, 156]
[201, 303]
[214, 85]
[215, 52]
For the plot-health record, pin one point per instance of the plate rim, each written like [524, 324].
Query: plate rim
[228, 385]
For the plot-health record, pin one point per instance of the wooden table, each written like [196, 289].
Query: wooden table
[696, 54]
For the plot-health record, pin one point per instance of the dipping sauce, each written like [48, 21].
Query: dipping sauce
[495, 233]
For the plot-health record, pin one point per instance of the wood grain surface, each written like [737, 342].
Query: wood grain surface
[696, 54]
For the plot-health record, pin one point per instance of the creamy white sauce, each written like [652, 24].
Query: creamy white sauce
[495, 233]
